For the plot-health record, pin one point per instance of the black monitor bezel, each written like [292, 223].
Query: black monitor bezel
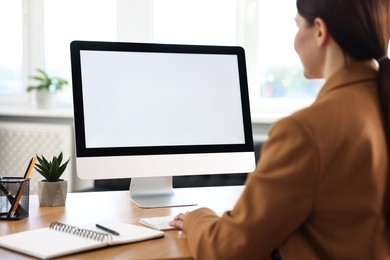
[83, 151]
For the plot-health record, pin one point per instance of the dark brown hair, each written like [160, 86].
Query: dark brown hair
[362, 29]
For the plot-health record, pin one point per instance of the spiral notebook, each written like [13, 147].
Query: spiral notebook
[61, 239]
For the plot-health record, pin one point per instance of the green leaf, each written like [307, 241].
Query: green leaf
[62, 168]
[46, 164]
[60, 158]
[42, 163]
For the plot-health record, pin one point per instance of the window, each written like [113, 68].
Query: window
[195, 21]
[275, 75]
[77, 20]
[65, 21]
[38, 34]
[280, 72]
[278, 84]
[11, 46]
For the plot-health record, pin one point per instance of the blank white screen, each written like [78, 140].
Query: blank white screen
[134, 99]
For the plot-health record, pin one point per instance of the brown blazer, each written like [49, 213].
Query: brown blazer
[318, 190]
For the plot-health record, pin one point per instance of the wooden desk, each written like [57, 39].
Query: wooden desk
[116, 205]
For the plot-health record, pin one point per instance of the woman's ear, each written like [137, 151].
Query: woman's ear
[321, 31]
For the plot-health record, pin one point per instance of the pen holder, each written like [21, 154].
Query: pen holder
[14, 198]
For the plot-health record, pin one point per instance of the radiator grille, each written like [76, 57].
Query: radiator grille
[20, 141]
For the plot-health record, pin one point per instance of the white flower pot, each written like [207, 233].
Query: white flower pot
[45, 99]
[52, 194]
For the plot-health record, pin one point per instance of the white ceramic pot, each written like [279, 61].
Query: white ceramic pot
[45, 99]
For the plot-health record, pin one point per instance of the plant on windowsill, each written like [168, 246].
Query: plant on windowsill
[46, 88]
[52, 190]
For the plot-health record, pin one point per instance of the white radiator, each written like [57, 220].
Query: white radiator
[20, 141]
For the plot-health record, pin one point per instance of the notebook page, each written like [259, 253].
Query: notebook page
[47, 243]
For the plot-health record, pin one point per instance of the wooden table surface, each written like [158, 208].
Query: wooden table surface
[86, 207]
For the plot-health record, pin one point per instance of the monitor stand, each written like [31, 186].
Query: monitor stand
[156, 192]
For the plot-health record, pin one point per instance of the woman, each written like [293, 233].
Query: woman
[319, 190]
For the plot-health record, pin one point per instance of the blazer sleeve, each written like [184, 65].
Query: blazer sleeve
[277, 199]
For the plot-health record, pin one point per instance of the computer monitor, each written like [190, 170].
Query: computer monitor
[153, 111]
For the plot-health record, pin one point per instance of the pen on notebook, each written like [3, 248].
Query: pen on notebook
[113, 232]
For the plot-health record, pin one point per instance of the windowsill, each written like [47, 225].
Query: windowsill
[266, 118]
[32, 111]
[67, 112]
[264, 111]
[260, 121]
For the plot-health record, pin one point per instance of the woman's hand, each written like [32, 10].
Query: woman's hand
[178, 221]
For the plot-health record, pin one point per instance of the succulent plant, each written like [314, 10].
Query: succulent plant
[51, 170]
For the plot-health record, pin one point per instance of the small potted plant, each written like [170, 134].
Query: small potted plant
[52, 190]
[46, 88]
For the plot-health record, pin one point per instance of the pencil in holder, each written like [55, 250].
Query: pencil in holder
[14, 198]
